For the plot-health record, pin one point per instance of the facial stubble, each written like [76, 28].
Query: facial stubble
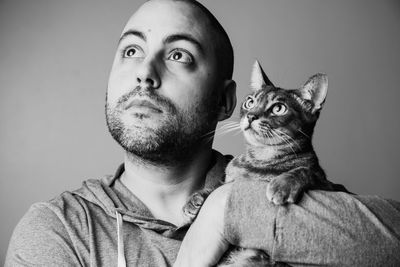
[177, 136]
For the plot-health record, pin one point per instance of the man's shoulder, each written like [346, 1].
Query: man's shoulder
[41, 217]
[65, 206]
[62, 216]
[50, 228]
[52, 212]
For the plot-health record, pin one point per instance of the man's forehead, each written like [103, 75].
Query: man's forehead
[168, 15]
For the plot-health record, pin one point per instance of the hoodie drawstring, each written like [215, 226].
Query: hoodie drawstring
[120, 233]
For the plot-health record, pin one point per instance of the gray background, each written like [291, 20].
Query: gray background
[55, 58]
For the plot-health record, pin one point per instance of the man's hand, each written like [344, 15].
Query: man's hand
[204, 243]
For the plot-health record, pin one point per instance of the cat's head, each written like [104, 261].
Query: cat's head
[274, 116]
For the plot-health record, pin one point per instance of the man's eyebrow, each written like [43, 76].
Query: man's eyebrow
[134, 33]
[183, 36]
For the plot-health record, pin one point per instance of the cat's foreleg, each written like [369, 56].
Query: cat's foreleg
[288, 187]
[192, 207]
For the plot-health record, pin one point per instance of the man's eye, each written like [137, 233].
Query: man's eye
[180, 56]
[133, 52]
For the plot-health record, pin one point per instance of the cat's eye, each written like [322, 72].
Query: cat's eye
[248, 103]
[181, 56]
[279, 109]
[133, 52]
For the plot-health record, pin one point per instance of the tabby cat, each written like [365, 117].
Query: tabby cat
[277, 125]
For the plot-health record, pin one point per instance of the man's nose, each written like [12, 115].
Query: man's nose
[147, 74]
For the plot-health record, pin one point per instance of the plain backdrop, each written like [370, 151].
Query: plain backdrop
[55, 57]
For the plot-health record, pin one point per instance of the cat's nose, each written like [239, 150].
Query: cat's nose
[251, 117]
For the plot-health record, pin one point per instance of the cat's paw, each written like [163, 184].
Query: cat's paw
[284, 189]
[192, 207]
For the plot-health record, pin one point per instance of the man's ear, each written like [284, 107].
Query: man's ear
[227, 102]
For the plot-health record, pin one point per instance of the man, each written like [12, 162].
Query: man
[169, 85]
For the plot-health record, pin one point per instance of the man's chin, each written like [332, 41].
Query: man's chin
[149, 151]
[159, 146]
[147, 118]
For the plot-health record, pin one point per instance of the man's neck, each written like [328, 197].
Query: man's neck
[165, 190]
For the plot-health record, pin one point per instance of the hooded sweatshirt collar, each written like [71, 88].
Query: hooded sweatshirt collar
[113, 196]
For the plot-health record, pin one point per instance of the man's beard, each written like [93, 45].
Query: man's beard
[171, 142]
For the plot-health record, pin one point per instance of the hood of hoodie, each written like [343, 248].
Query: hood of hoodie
[114, 197]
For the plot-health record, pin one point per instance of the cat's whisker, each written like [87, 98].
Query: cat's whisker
[228, 122]
[288, 137]
[304, 134]
[208, 137]
[238, 132]
[216, 133]
[274, 136]
[225, 131]
[222, 128]
[208, 140]
[270, 139]
[284, 139]
[235, 133]
[270, 136]
[275, 141]
[227, 127]
[282, 136]
[208, 133]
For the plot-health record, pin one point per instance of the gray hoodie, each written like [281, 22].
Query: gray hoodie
[100, 224]
[104, 224]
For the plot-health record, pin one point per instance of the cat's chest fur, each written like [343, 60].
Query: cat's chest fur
[247, 166]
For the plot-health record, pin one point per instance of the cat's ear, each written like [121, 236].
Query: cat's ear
[315, 90]
[258, 78]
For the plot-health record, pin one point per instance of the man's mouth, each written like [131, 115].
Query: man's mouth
[143, 104]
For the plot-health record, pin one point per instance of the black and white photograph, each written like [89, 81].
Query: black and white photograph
[199, 133]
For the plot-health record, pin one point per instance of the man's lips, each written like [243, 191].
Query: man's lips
[143, 103]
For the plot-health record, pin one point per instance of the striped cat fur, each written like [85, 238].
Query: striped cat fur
[278, 125]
